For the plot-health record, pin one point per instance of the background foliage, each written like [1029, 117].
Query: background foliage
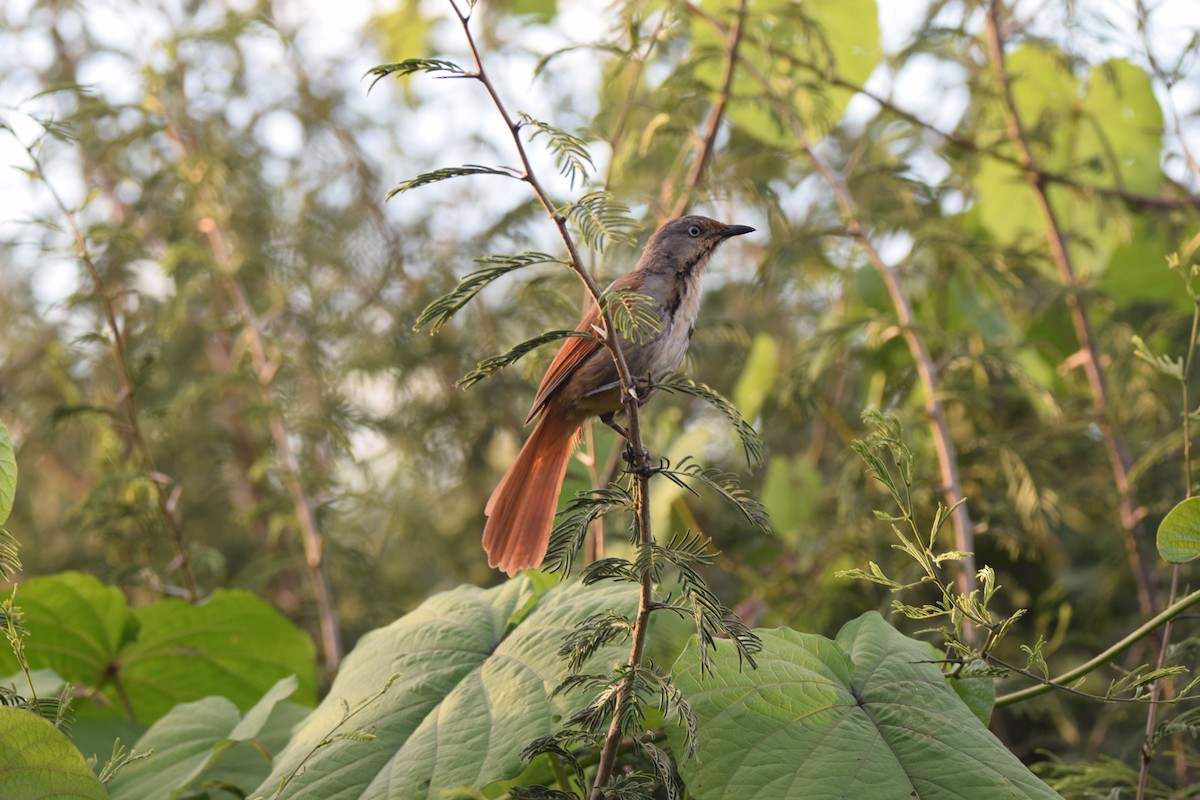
[234, 366]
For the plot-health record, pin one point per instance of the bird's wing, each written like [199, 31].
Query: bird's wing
[575, 351]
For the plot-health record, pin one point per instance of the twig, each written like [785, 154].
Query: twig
[1115, 445]
[715, 114]
[127, 395]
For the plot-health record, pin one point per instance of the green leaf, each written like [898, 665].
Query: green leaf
[8, 474]
[444, 174]
[634, 315]
[37, 761]
[233, 645]
[77, 626]
[1179, 532]
[188, 742]
[1120, 140]
[407, 67]
[473, 690]
[600, 219]
[490, 366]
[571, 155]
[865, 715]
[758, 376]
[439, 312]
[681, 384]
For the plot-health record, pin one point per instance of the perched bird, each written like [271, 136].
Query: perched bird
[582, 382]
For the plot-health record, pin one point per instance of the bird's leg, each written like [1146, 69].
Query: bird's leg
[640, 462]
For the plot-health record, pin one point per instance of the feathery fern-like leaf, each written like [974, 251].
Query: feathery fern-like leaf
[439, 312]
[571, 155]
[410, 65]
[635, 315]
[446, 173]
[490, 366]
[600, 220]
[567, 536]
[726, 485]
[751, 442]
[593, 633]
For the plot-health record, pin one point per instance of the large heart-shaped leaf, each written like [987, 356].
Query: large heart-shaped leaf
[451, 693]
[170, 652]
[865, 715]
[37, 761]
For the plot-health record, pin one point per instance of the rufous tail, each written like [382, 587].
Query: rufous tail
[521, 510]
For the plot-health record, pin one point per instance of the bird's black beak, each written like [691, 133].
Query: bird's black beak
[734, 230]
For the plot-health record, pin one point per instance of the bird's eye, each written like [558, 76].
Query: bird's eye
[694, 230]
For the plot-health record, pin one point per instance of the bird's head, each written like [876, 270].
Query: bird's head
[685, 245]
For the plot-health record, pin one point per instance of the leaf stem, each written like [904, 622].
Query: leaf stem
[1129, 640]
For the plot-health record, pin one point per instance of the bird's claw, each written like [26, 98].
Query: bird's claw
[640, 464]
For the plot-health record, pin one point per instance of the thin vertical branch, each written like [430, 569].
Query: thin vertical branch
[715, 114]
[1118, 455]
[927, 371]
[166, 502]
[264, 371]
[1157, 689]
[629, 399]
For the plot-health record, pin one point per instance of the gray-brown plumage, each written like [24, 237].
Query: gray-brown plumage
[582, 382]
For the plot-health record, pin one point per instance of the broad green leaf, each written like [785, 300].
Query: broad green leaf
[1179, 532]
[170, 652]
[865, 715]
[189, 740]
[233, 645]
[1121, 135]
[758, 376]
[37, 761]
[796, 46]
[1044, 91]
[471, 692]
[8, 474]
[1108, 135]
[76, 624]
[791, 490]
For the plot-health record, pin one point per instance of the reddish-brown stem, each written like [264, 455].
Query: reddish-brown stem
[265, 368]
[715, 114]
[1118, 456]
[927, 371]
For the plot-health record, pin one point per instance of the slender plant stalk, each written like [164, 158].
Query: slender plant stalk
[265, 368]
[1118, 455]
[1106, 656]
[715, 114]
[629, 399]
[927, 371]
[1181, 766]
[166, 502]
